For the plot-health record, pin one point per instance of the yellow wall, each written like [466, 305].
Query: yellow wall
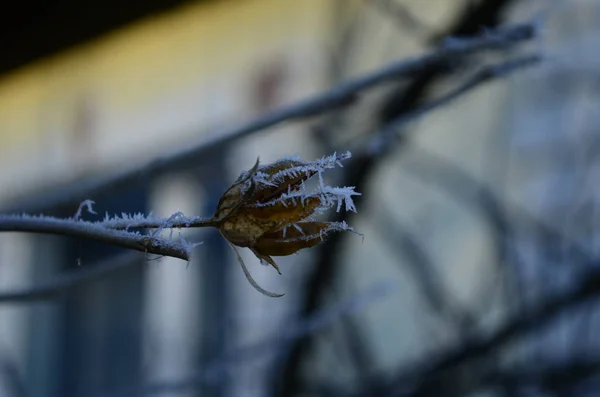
[151, 87]
[150, 59]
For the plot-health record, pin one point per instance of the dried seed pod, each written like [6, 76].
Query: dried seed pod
[301, 235]
[269, 210]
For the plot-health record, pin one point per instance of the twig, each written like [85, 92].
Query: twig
[402, 17]
[275, 344]
[587, 289]
[559, 377]
[341, 95]
[176, 221]
[12, 377]
[418, 262]
[94, 231]
[382, 139]
[358, 173]
[463, 186]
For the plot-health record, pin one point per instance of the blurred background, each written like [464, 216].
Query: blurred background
[479, 218]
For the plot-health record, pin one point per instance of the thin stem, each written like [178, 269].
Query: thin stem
[181, 222]
[249, 277]
[381, 141]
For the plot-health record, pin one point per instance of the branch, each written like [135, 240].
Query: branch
[272, 345]
[12, 377]
[97, 232]
[176, 221]
[381, 141]
[402, 17]
[588, 288]
[358, 174]
[339, 96]
[560, 377]
[424, 271]
[462, 186]
[64, 284]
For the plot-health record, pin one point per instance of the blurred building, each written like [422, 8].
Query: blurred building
[153, 80]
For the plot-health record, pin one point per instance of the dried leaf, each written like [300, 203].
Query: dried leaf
[267, 259]
[283, 213]
[243, 230]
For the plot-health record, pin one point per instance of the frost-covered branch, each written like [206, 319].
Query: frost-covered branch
[141, 221]
[268, 209]
[97, 232]
[339, 96]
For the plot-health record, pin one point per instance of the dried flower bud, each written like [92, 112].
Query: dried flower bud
[269, 210]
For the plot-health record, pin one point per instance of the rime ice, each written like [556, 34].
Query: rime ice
[270, 210]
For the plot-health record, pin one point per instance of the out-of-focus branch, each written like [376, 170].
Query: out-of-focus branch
[402, 242]
[426, 375]
[339, 96]
[64, 284]
[381, 141]
[97, 232]
[556, 379]
[12, 378]
[403, 18]
[358, 173]
[384, 140]
[462, 186]
[274, 345]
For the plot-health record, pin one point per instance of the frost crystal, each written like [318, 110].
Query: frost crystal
[88, 206]
[271, 210]
[329, 196]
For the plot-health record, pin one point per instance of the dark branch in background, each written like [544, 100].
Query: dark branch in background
[339, 96]
[471, 193]
[12, 378]
[462, 186]
[468, 191]
[557, 379]
[414, 257]
[272, 345]
[64, 284]
[427, 375]
[403, 18]
[359, 172]
[459, 184]
[380, 143]
[69, 282]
